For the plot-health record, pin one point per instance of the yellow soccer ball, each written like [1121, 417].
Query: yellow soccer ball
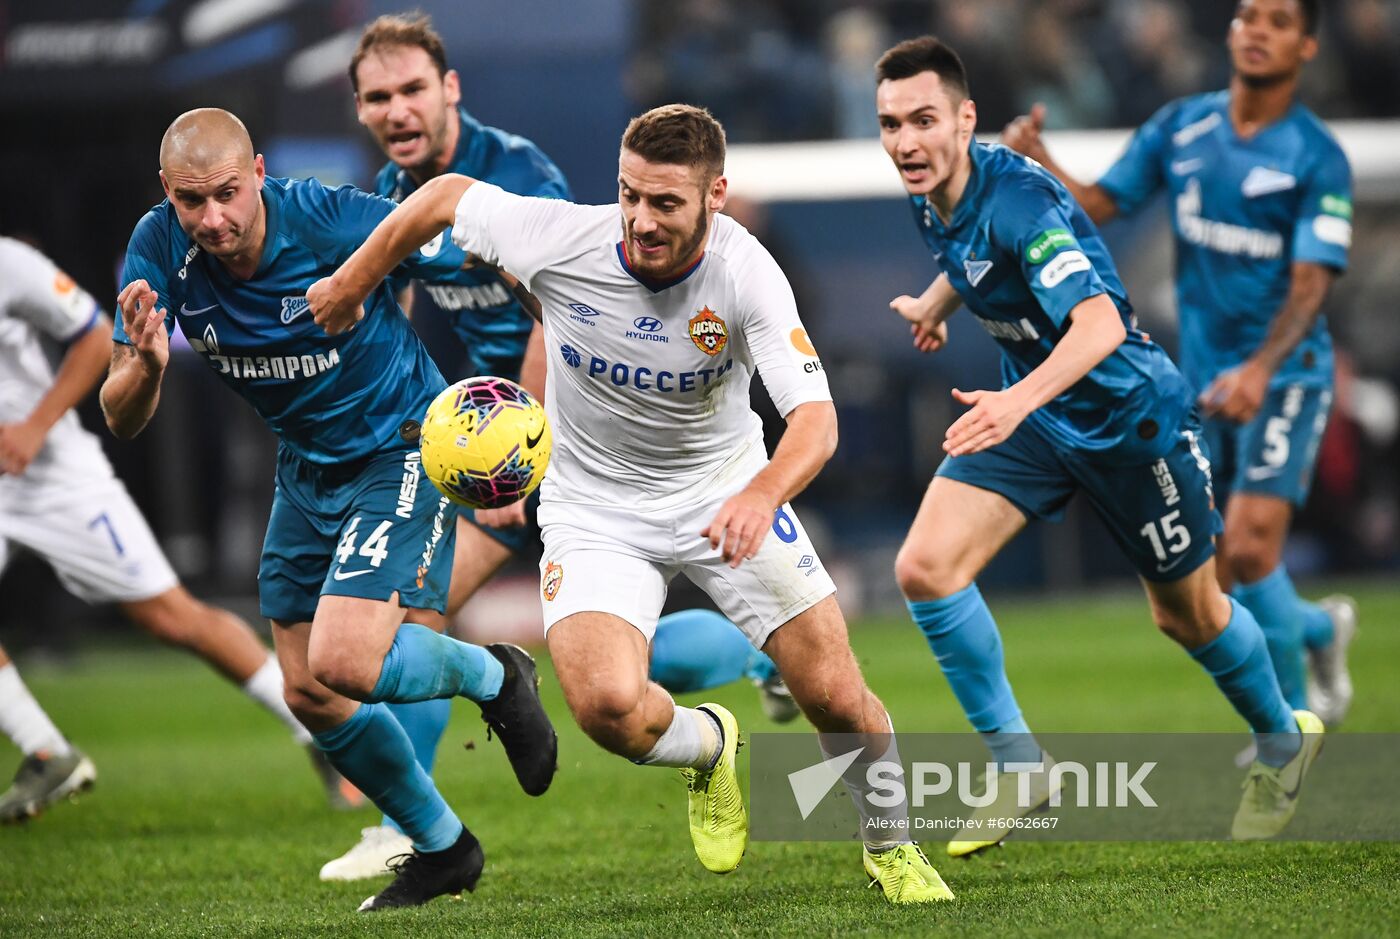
[485, 443]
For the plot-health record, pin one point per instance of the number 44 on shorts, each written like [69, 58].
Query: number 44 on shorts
[376, 546]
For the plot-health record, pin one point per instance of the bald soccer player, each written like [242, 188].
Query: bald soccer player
[358, 551]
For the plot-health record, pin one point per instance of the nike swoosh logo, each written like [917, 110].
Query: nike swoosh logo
[1163, 568]
[1182, 167]
[188, 312]
[346, 575]
[531, 441]
[1256, 473]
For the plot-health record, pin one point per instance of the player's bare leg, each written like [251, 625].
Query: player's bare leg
[52, 768]
[601, 661]
[956, 533]
[813, 650]
[959, 528]
[367, 744]
[229, 645]
[476, 559]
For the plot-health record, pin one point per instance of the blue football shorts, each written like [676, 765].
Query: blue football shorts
[369, 529]
[1161, 513]
[1275, 453]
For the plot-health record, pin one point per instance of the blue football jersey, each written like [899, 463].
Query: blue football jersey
[1022, 254]
[484, 313]
[1243, 211]
[330, 399]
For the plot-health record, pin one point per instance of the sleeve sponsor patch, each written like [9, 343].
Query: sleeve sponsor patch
[1048, 243]
[1332, 230]
[1339, 206]
[1062, 265]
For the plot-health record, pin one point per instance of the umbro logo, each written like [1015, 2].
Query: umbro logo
[583, 313]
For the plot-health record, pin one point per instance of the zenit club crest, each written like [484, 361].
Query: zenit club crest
[708, 332]
[552, 580]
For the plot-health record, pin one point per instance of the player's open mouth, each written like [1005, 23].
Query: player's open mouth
[914, 172]
[646, 249]
[1254, 54]
[404, 140]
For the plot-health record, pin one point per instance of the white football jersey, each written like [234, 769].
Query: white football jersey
[648, 384]
[38, 301]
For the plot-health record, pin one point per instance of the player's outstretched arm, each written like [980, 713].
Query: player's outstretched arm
[131, 392]
[1023, 136]
[808, 442]
[1096, 329]
[1238, 393]
[337, 301]
[82, 366]
[927, 314]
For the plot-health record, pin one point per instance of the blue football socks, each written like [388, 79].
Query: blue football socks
[1238, 660]
[698, 649]
[964, 638]
[373, 752]
[1279, 613]
[423, 664]
[424, 722]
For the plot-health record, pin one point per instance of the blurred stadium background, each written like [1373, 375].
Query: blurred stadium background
[88, 86]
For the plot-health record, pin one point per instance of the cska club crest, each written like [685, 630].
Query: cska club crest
[708, 332]
[552, 581]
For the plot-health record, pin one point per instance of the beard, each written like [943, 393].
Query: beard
[685, 249]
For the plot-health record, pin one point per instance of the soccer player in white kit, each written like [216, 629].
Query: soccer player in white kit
[60, 500]
[653, 328]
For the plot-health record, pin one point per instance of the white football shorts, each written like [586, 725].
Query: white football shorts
[94, 537]
[617, 560]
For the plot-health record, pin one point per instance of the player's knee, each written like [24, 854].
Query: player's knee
[928, 575]
[611, 718]
[1250, 558]
[1189, 625]
[342, 671]
[833, 703]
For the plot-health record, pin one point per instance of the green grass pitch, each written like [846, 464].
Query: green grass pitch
[206, 821]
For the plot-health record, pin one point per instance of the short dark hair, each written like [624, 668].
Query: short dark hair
[399, 29]
[1311, 12]
[682, 134]
[924, 54]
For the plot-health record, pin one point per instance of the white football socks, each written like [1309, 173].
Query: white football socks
[265, 687]
[23, 721]
[882, 827]
[693, 740]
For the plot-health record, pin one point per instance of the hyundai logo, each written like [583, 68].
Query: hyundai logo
[647, 324]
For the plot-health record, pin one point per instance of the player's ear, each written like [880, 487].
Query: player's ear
[719, 192]
[165, 184]
[967, 117]
[259, 170]
[1309, 50]
[452, 87]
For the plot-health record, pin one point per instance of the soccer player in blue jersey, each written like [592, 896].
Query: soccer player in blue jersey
[1261, 208]
[410, 102]
[1088, 404]
[357, 547]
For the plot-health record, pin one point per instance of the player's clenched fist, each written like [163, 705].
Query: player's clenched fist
[1023, 134]
[740, 525]
[144, 323]
[333, 309]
